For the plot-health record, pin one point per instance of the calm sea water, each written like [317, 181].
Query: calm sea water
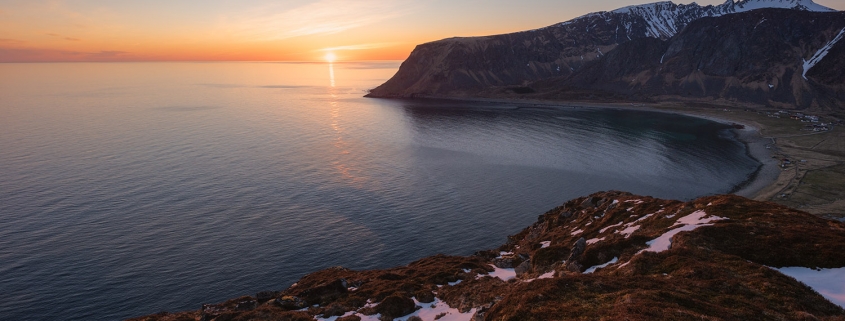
[132, 188]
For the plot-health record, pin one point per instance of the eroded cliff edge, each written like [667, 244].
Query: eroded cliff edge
[610, 256]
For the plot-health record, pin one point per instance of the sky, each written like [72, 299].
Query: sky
[264, 30]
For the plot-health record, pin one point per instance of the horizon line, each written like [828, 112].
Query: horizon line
[200, 61]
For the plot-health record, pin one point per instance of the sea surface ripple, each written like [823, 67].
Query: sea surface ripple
[132, 188]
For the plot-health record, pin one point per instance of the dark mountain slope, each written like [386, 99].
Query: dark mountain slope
[726, 53]
[466, 65]
[755, 57]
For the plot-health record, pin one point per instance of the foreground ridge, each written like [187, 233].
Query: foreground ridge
[610, 255]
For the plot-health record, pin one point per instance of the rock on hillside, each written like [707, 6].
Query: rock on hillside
[610, 256]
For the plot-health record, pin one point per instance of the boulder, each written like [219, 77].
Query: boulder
[574, 267]
[246, 305]
[325, 292]
[577, 249]
[505, 262]
[290, 302]
[590, 202]
[265, 296]
[523, 268]
[424, 296]
[395, 306]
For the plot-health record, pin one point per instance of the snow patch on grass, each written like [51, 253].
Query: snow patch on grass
[344, 315]
[830, 283]
[429, 311]
[503, 274]
[503, 253]
[594, 268]
[547, 275]
[644, 217]
[628, 230]
[609, 227]
[690, 222]
[591, 241]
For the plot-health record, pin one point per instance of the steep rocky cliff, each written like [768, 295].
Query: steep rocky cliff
[609, 256]
[651, 52]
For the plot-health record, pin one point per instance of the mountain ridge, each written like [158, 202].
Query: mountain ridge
[667, 18]
[759, 57]
[517, 65]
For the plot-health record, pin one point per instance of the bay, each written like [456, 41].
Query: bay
[132, 188]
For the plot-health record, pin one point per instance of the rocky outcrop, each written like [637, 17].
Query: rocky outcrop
[609, 256]
[654, 52]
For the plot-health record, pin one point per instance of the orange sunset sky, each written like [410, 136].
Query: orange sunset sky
[253, 30]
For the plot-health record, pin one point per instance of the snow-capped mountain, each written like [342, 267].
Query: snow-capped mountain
[752, 50]
[747, 5]
[664, 19]
[775, 58]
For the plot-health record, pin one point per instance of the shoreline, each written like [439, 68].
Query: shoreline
[753, 187]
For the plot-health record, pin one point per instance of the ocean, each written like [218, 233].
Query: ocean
[132, 188]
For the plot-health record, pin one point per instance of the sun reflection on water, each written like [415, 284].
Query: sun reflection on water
[347, 172]
[331, 77]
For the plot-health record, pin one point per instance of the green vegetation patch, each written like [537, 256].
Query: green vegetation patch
[821, 186]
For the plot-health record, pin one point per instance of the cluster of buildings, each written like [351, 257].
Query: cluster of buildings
[814, 123]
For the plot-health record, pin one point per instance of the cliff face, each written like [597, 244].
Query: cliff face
[652, 52]
[610, 256]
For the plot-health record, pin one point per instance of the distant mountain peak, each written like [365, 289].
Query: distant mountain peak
[665, 18]
[747, 5]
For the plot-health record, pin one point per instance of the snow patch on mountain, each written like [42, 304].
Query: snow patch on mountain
[664, 19]
[819, 55]
[807, 5]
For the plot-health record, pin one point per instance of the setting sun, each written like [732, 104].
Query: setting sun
[330, 57]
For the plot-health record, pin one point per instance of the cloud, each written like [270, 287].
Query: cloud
[63, 37]
[4, 41]
[47, 55]
[106, 54]
[365, 46]
[321, 17]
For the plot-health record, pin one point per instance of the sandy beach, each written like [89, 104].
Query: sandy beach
[760, 148]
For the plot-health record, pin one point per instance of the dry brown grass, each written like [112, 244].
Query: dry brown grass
[716, 272]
